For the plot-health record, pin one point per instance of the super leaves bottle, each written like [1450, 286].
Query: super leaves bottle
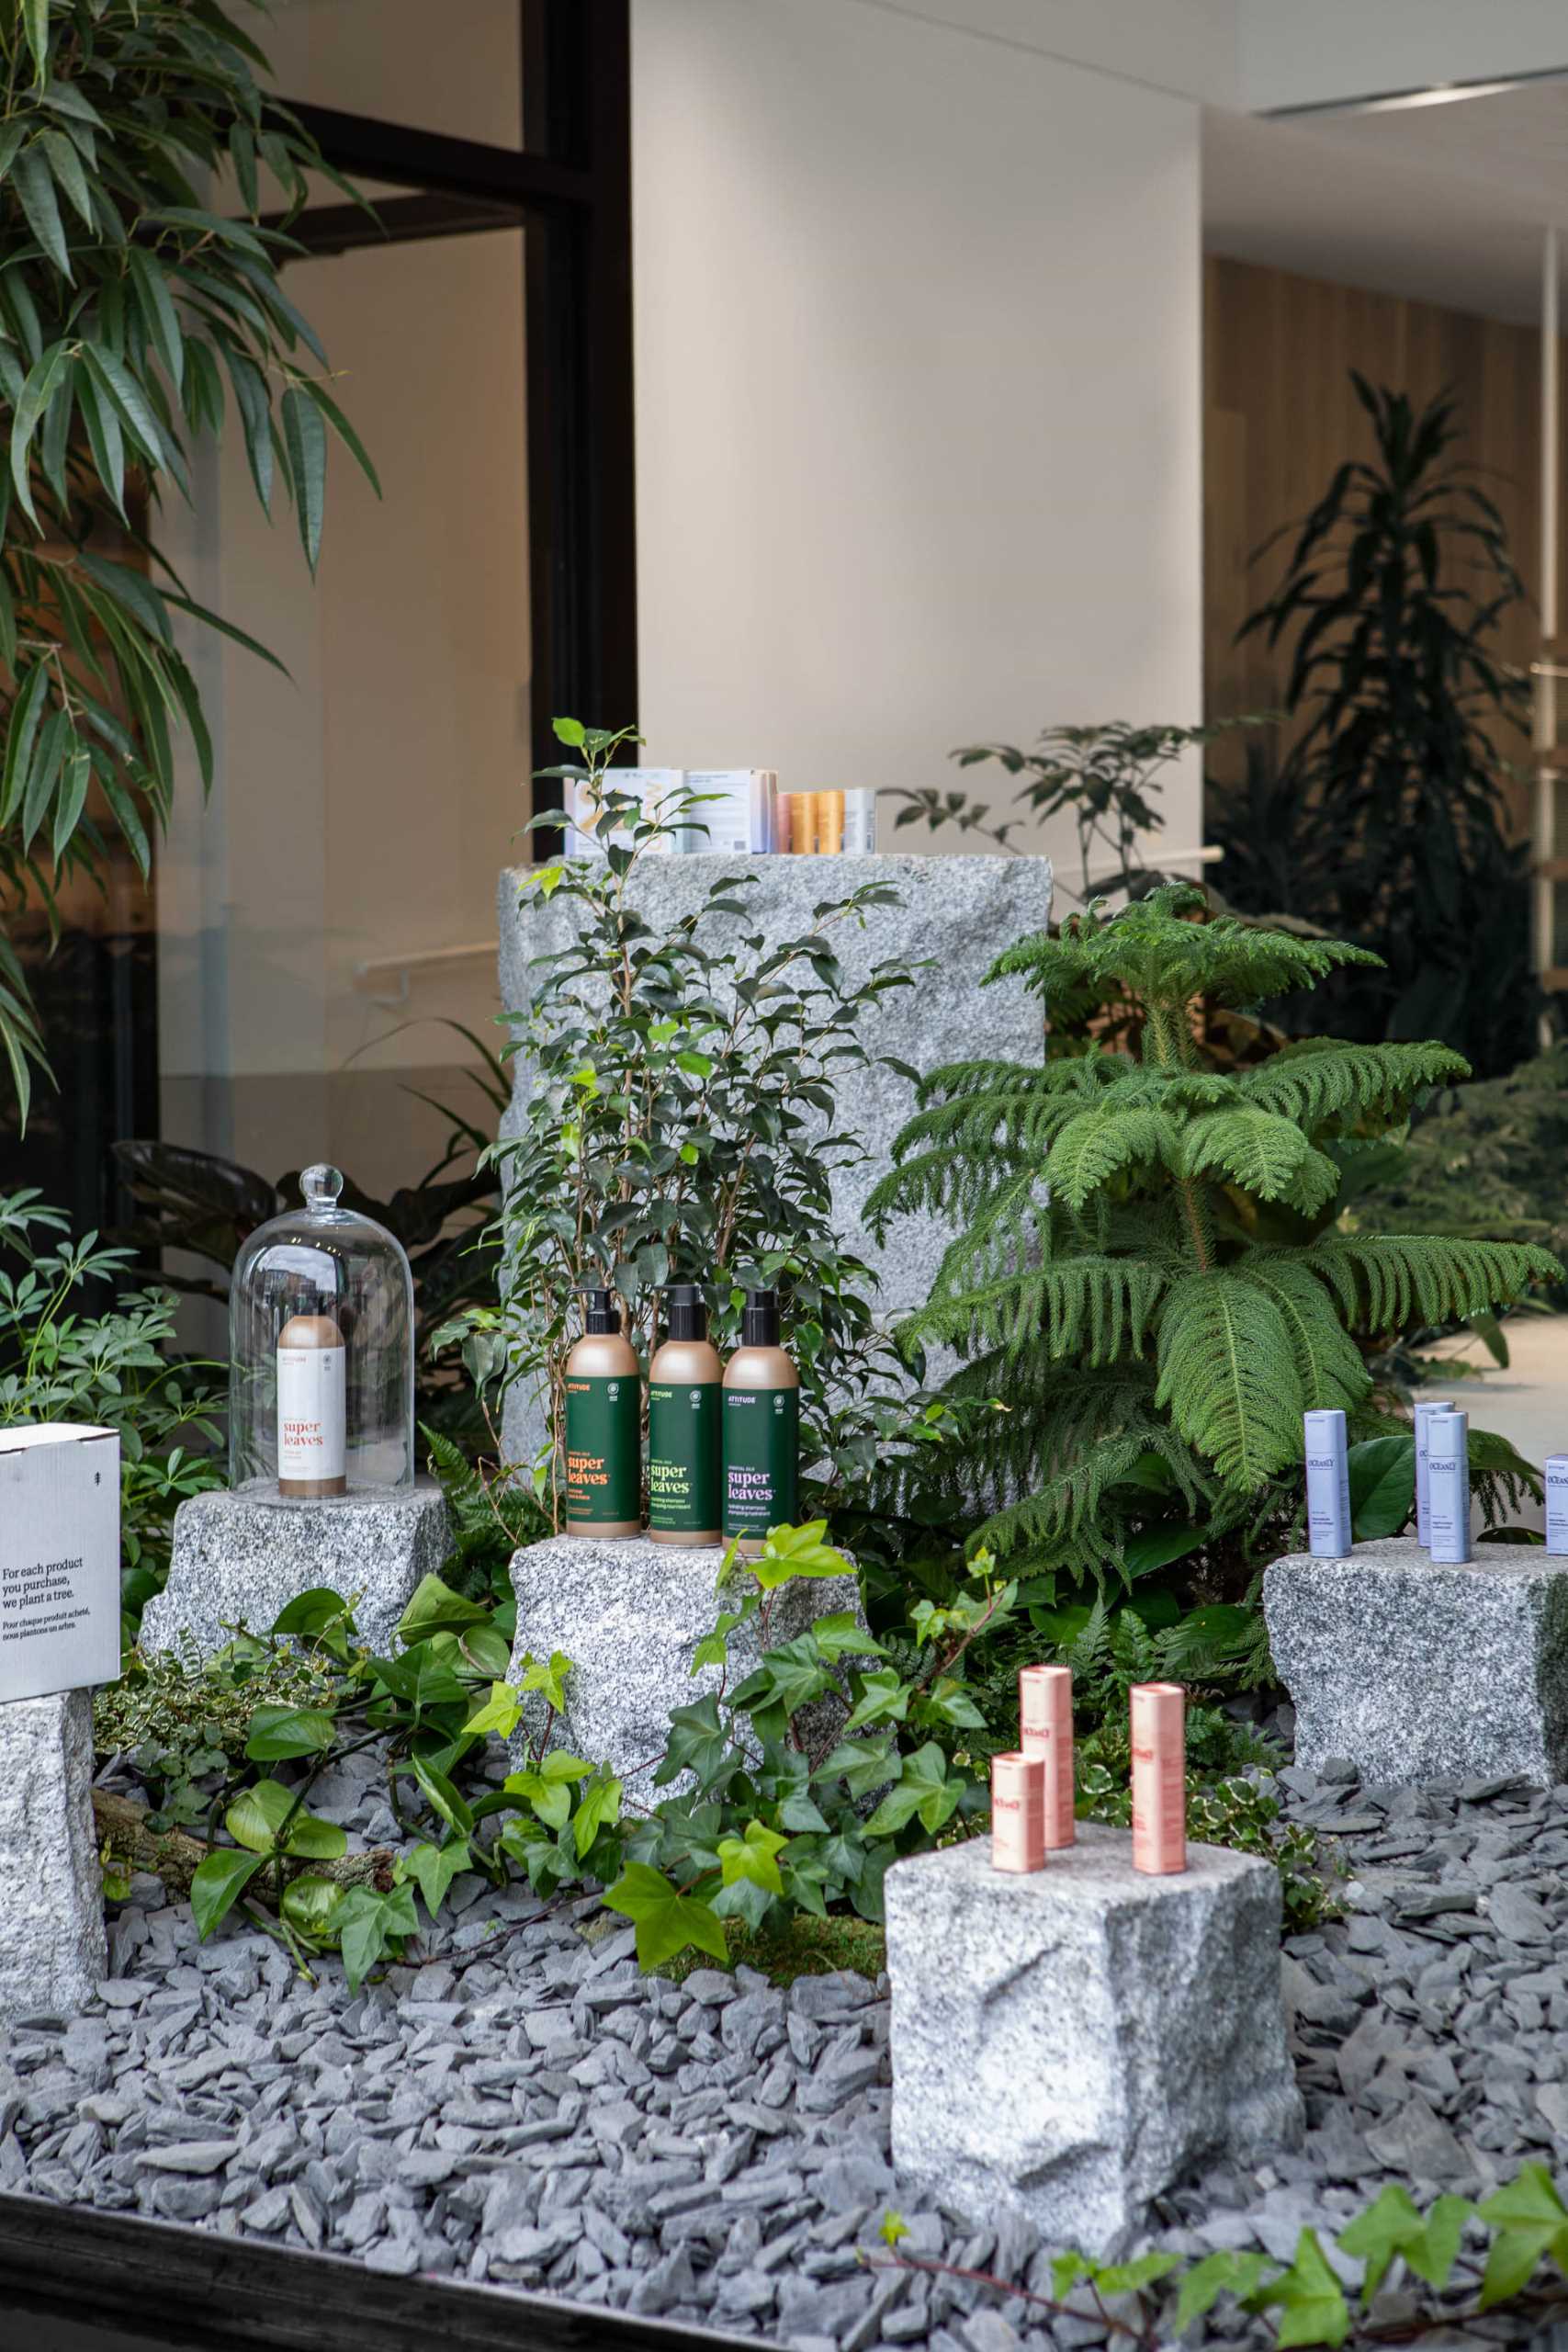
[604, 1426]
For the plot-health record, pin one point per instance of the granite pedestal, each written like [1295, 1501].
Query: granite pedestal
[629, 1614]
[239, 1559]
[54, 1951]
[1417, 1671]
[953, 916]
[1071, 2042]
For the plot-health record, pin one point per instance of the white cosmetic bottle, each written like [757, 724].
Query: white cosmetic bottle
[1447, 1479]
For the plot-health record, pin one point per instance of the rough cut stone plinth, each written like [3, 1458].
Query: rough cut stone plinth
[959, 912]
[1417, 1671]
[238, 1559]
[629, 1615]
[53, 1947]
[1070, 2042]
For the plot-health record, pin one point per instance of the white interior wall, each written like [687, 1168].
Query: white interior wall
[918, 393]
[1330, 51]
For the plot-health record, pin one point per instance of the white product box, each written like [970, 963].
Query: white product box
[59, 1557]
[860, 824]
[654, 788]
[737, 808]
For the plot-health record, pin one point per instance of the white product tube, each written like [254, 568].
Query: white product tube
[1425, 1411]
[1557, 1503]
[1328, 1485]
[1448, 1480]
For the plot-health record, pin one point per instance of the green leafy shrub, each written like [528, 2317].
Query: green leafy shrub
[1147, 1272]
[73, 1350]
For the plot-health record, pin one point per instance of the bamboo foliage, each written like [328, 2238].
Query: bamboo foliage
[132, 314]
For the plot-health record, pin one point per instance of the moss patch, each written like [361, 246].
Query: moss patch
[807, 1947]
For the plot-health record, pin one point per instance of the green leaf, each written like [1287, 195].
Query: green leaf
[1312, 2303]
[1382, 1486]
[1385, 2229]
[549, 1679]
[218, 1880]
[839, 1637]
[26, 712]
[570, 732]
[158, 309]
[442, 1797]
[257, 1814]
[278, 1732]
[1530, 2220]
[308, 1903]
[753, 1856]
[311, 1613]
[1226, 2273]
[30, 173]
[699, 1742]
[883, 1698]
[924, 1788]
[666, 1920]
[1433, 2254]
[37, 392]
[500, 1713]
[713, 1648]
[433, 1868]
[315, 1840]
[73, 799]
[255, 405]
[599, 1809]
[368, 1922]
[345, 432]
[437, 1608]
[34, 18]
[66, 165]
[305, 438]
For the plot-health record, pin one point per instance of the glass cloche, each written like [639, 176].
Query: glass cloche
[321, 1348]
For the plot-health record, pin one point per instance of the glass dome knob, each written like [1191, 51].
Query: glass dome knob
[321, 1185]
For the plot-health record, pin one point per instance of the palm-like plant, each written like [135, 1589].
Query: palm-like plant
[130, 310]
[1147, 1272]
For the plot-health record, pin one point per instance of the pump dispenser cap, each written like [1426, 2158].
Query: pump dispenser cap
[759, 1319]
[601, 1314]
[685, 1311]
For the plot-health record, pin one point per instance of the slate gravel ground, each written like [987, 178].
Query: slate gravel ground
[526, 2108]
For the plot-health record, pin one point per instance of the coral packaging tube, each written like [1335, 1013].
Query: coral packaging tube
[1018, 1813]
[1448, 1480]
[1046, 1729]
[1159, 1776]
[1328, 1485]
[1425, 1410]
[1557, 1503]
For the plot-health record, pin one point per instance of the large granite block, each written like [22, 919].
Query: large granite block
[238, 1559]
[629, 1614]
[1422, 1671]
[1070, 2042]
[958, 913]
[53, 1951]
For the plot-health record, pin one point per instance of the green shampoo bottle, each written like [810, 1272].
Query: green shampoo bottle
[762, 1428]
[683, 1400]
[604, 1426]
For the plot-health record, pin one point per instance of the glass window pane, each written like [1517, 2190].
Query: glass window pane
[455, 66]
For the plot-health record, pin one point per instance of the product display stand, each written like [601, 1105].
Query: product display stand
[53, 1952]
[1416, 1670]
[239, 1559]
[629, 1614]
[1072, 2041]
[952, 917]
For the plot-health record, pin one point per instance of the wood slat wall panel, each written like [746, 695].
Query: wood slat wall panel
[1280, 414]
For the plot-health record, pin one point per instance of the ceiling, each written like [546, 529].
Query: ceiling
[1444, 202]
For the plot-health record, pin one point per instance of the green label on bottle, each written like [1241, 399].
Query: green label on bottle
[762, 1445]
[682, 1457]
[603, 1420]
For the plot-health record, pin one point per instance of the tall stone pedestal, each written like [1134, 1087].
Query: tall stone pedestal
[629, 1615]
[1419, 1671]
[54, 1951]
[239, 1559]
[954, 915]
[1070, 2042]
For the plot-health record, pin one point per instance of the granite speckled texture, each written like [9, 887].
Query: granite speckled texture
[958, 912]
[1070, 2042]
[237, 1558]
[1417, 1671]
[629, 1615]
[53, 1951]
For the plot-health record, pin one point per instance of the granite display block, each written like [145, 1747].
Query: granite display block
[958, 913]
[53, 1951]
[1421, 1671]
[239, 1559]
[1072, 2041]
[629, 1614]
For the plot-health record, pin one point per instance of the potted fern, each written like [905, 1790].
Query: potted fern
[1147, 1273]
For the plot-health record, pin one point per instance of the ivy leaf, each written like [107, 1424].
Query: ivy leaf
[1385, 2229]
[220, 1879]
[883, 1698]
[1227, 2272]
[839, 1637]
[666, 1920]
[1530, 2220]
[861, 1764]
[549, 1680]
[1432, 2254]
[1312, 2303]
[500, 1713]
[369, 1923]
[433, 1868]
[713, 1648]
[893, 2228]
[599, 1809]
[276, 1733]
[699, 1742]
[797, 1552]
[923, 1788]
[753, 1856]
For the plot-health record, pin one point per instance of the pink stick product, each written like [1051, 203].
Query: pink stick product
[1046, 1729]
[1018, 1813]
[1159, 1776]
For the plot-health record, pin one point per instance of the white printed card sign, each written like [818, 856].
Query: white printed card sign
[59, 1558]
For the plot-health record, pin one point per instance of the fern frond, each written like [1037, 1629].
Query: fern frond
[1385, 1281]
[1324, 1077]
[1329, 1362]
[949, 1081]
[940, 1183]
[1006, 1230]
[1228, 1374]
[1152, 948]
[1098, 1144]
[1092, 1307]
[1268, 1156]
